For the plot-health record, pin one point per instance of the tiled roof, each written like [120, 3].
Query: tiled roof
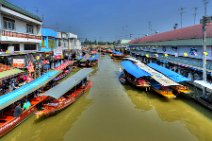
[191, 32]
[11, 6]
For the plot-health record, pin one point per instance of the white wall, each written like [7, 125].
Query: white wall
[21, 26]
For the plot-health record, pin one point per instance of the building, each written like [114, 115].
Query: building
[20, 29]
[180, 50]
[49, 40]
[73, 42]
[62, 40]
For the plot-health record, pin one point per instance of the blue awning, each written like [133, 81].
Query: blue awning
[117, 52]
[94, 57]
[169, 73]
[134, 70]
[13, 96]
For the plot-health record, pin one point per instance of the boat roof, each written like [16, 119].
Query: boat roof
[66, 85]
[85, 58]
[94, 57]
[204, 84]
[117, 52]
[7, 71]
[64, 65]
[169, 73]
[13, 96]
[134, 70]
[160, 78]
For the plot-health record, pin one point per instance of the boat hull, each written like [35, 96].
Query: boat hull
[164, 93]
[52, 110]
[15, 121]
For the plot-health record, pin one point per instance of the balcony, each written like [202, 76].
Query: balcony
[19, 35]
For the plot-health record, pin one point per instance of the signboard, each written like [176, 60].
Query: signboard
[19, 63]
[58, 53]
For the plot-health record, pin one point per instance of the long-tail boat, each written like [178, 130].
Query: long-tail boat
[84, 61]
[135, 75]
[159, 83]
[93, 60]
[7, 102]
[65, 93]
[65, 70]
[117, 55]
[179, 89]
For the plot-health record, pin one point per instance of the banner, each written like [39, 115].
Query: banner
[58, 53]
[19, 63]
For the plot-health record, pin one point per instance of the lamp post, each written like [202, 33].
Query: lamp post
[205, 20]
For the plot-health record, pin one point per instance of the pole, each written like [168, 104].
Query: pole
[195, 14]
[181, 16]
[204, 56]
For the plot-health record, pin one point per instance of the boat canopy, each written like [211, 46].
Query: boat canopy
[66, 85]
[10, 73]
[134, 69]
[13, 96]
[160, 78]
[85, 58]
[94, 57]
[64, 65]
[117, 52]
[170, 74]
[204, 84]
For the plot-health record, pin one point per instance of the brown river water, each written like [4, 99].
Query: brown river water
[113, 112]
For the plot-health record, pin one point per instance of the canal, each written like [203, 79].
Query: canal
[113, 112]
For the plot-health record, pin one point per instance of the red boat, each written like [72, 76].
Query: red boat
[8, 119]
[9, 122]
[65, 93]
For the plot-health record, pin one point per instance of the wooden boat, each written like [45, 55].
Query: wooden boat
[162, 90]
[7, 120]
[180, 89]
[62, 75]
[65, 93]
[92, 63]
[134, 75]
[55, 106]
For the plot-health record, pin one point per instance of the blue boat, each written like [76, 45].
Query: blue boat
[134, 75]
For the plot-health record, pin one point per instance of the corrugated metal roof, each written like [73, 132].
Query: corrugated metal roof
[68, 84]
[9, 73]
[187, 33]
[11, 6]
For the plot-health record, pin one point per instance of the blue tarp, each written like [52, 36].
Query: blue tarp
[169, 73]
[134, 70]
[13, 96]
[94, 57]
[117, 52]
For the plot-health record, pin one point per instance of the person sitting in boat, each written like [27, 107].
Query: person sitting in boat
[18, 110]
[26, 105]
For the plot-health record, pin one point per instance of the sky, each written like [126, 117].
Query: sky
[111, 20]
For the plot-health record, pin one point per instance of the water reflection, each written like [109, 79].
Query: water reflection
[195, 118]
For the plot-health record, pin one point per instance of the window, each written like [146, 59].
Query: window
[29, 28]
[16, 47]
[30, 47]
[8, 23]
